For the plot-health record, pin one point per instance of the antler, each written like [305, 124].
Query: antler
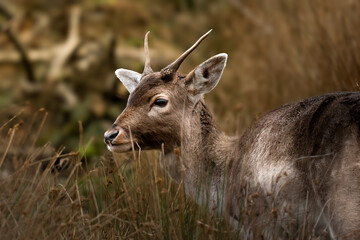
[173, 67]
[147, 68]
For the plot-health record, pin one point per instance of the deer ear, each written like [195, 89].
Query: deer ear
[206, 76]
[129, 78]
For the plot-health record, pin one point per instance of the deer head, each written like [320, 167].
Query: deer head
[160, 102]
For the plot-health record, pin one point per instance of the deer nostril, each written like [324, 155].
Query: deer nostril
[109, 137]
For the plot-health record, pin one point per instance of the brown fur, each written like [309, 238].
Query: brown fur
[300, 161]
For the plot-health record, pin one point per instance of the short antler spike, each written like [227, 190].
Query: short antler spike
[173, 67]
[147, 68]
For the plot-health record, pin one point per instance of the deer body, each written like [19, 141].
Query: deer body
[300, 161]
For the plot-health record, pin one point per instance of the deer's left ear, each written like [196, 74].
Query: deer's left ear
[206, 76]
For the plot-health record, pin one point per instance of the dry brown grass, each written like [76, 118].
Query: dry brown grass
[127, 196]
[283, 51]
[111, 199]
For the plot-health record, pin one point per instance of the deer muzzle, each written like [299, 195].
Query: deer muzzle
[118, 140]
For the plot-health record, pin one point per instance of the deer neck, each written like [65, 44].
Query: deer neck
[200, 159]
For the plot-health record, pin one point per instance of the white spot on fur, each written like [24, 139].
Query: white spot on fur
[271, 172]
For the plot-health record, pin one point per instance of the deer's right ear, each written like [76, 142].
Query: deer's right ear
[129, 78]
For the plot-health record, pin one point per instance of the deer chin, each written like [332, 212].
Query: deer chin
[120, 148]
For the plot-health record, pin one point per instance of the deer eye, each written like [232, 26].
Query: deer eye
[160, 102]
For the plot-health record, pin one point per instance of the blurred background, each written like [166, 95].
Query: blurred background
[59, 57]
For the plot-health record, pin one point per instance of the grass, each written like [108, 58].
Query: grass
[111, 199]
[53, 194]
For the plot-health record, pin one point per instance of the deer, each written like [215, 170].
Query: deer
[296, 167]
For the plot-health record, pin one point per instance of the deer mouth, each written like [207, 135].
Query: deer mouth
[120, 148]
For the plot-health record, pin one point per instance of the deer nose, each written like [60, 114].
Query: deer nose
[110, 135]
